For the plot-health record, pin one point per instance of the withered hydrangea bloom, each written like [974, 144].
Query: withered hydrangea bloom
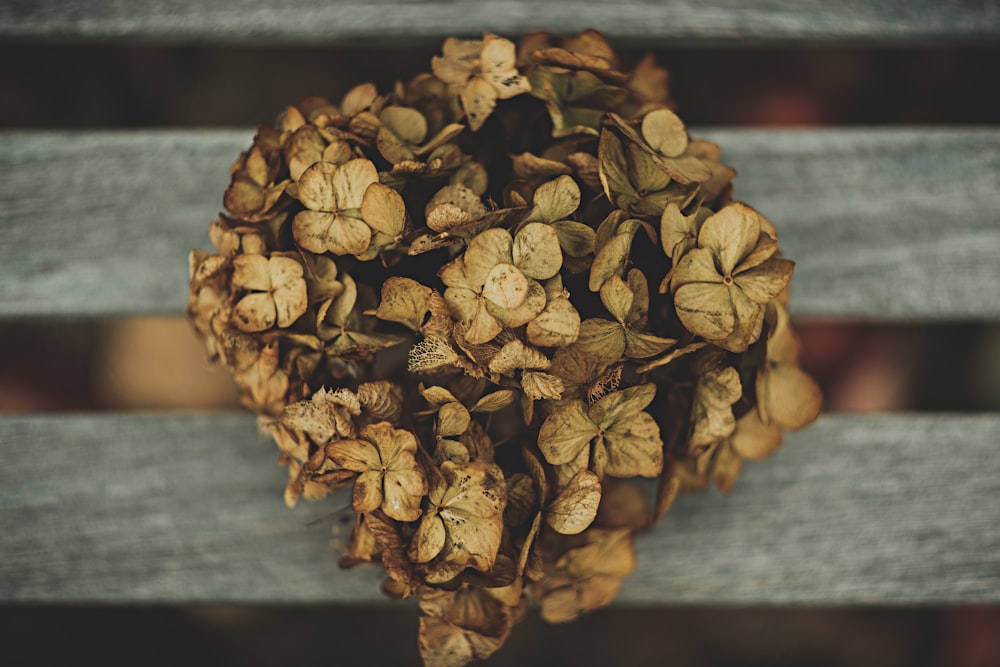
[483, 300]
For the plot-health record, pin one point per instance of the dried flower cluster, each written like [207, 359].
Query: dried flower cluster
[484, 299]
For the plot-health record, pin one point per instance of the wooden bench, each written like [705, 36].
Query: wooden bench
[888, 223]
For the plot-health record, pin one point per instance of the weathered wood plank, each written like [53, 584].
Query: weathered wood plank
[892, 509]
[883, 223]
[301, 21]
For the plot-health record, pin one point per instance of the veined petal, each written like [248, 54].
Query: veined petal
[351, 180]
[705, 309]
[348, 236]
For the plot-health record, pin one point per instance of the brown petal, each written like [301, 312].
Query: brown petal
[406, 123]
[383, 210]
[634, 447]
[356, 455]
[753, 439]
[617, 297]
[574, 509]
[453, 419]
[705, 309]
[367, 494]
[428, 540]
[621, 405]
[601, 340]
[402, 492]
[730, 235]
[291, 302]
[405, 301]
[787, 397]
[764, 283]
[610, 260]
[566, 432]
[665, 132]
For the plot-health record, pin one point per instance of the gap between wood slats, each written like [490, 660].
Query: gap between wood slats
[301, 21]
[877, 509]
[882, 223]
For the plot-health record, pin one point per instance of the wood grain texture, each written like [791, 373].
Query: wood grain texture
[340, 21]
[882, 223]
[892, 509]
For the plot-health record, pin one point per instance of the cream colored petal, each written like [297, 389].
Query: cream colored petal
[290, 302]
[506, 286]
[479, 98]
[533, 304]
[508, 83]
[255, 312]
[665, 132]
[463, 303]
[574, 509]
[497, 54]
[316, 188]
[484, 327]
[310, 230]
[351, 180]
[348, 236]
[557, 199]
[252, 272]
[556, 326]
[491, 247]
[406, 123]
[402, 492]
[536, 251]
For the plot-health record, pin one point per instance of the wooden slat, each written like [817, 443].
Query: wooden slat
[302, 21]
[883, 223]
[881, 510]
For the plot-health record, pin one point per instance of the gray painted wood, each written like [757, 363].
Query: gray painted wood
[883, 223]
[339, 21]
[890, 509]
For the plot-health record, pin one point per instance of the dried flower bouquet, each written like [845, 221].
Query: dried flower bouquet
[484, 300]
